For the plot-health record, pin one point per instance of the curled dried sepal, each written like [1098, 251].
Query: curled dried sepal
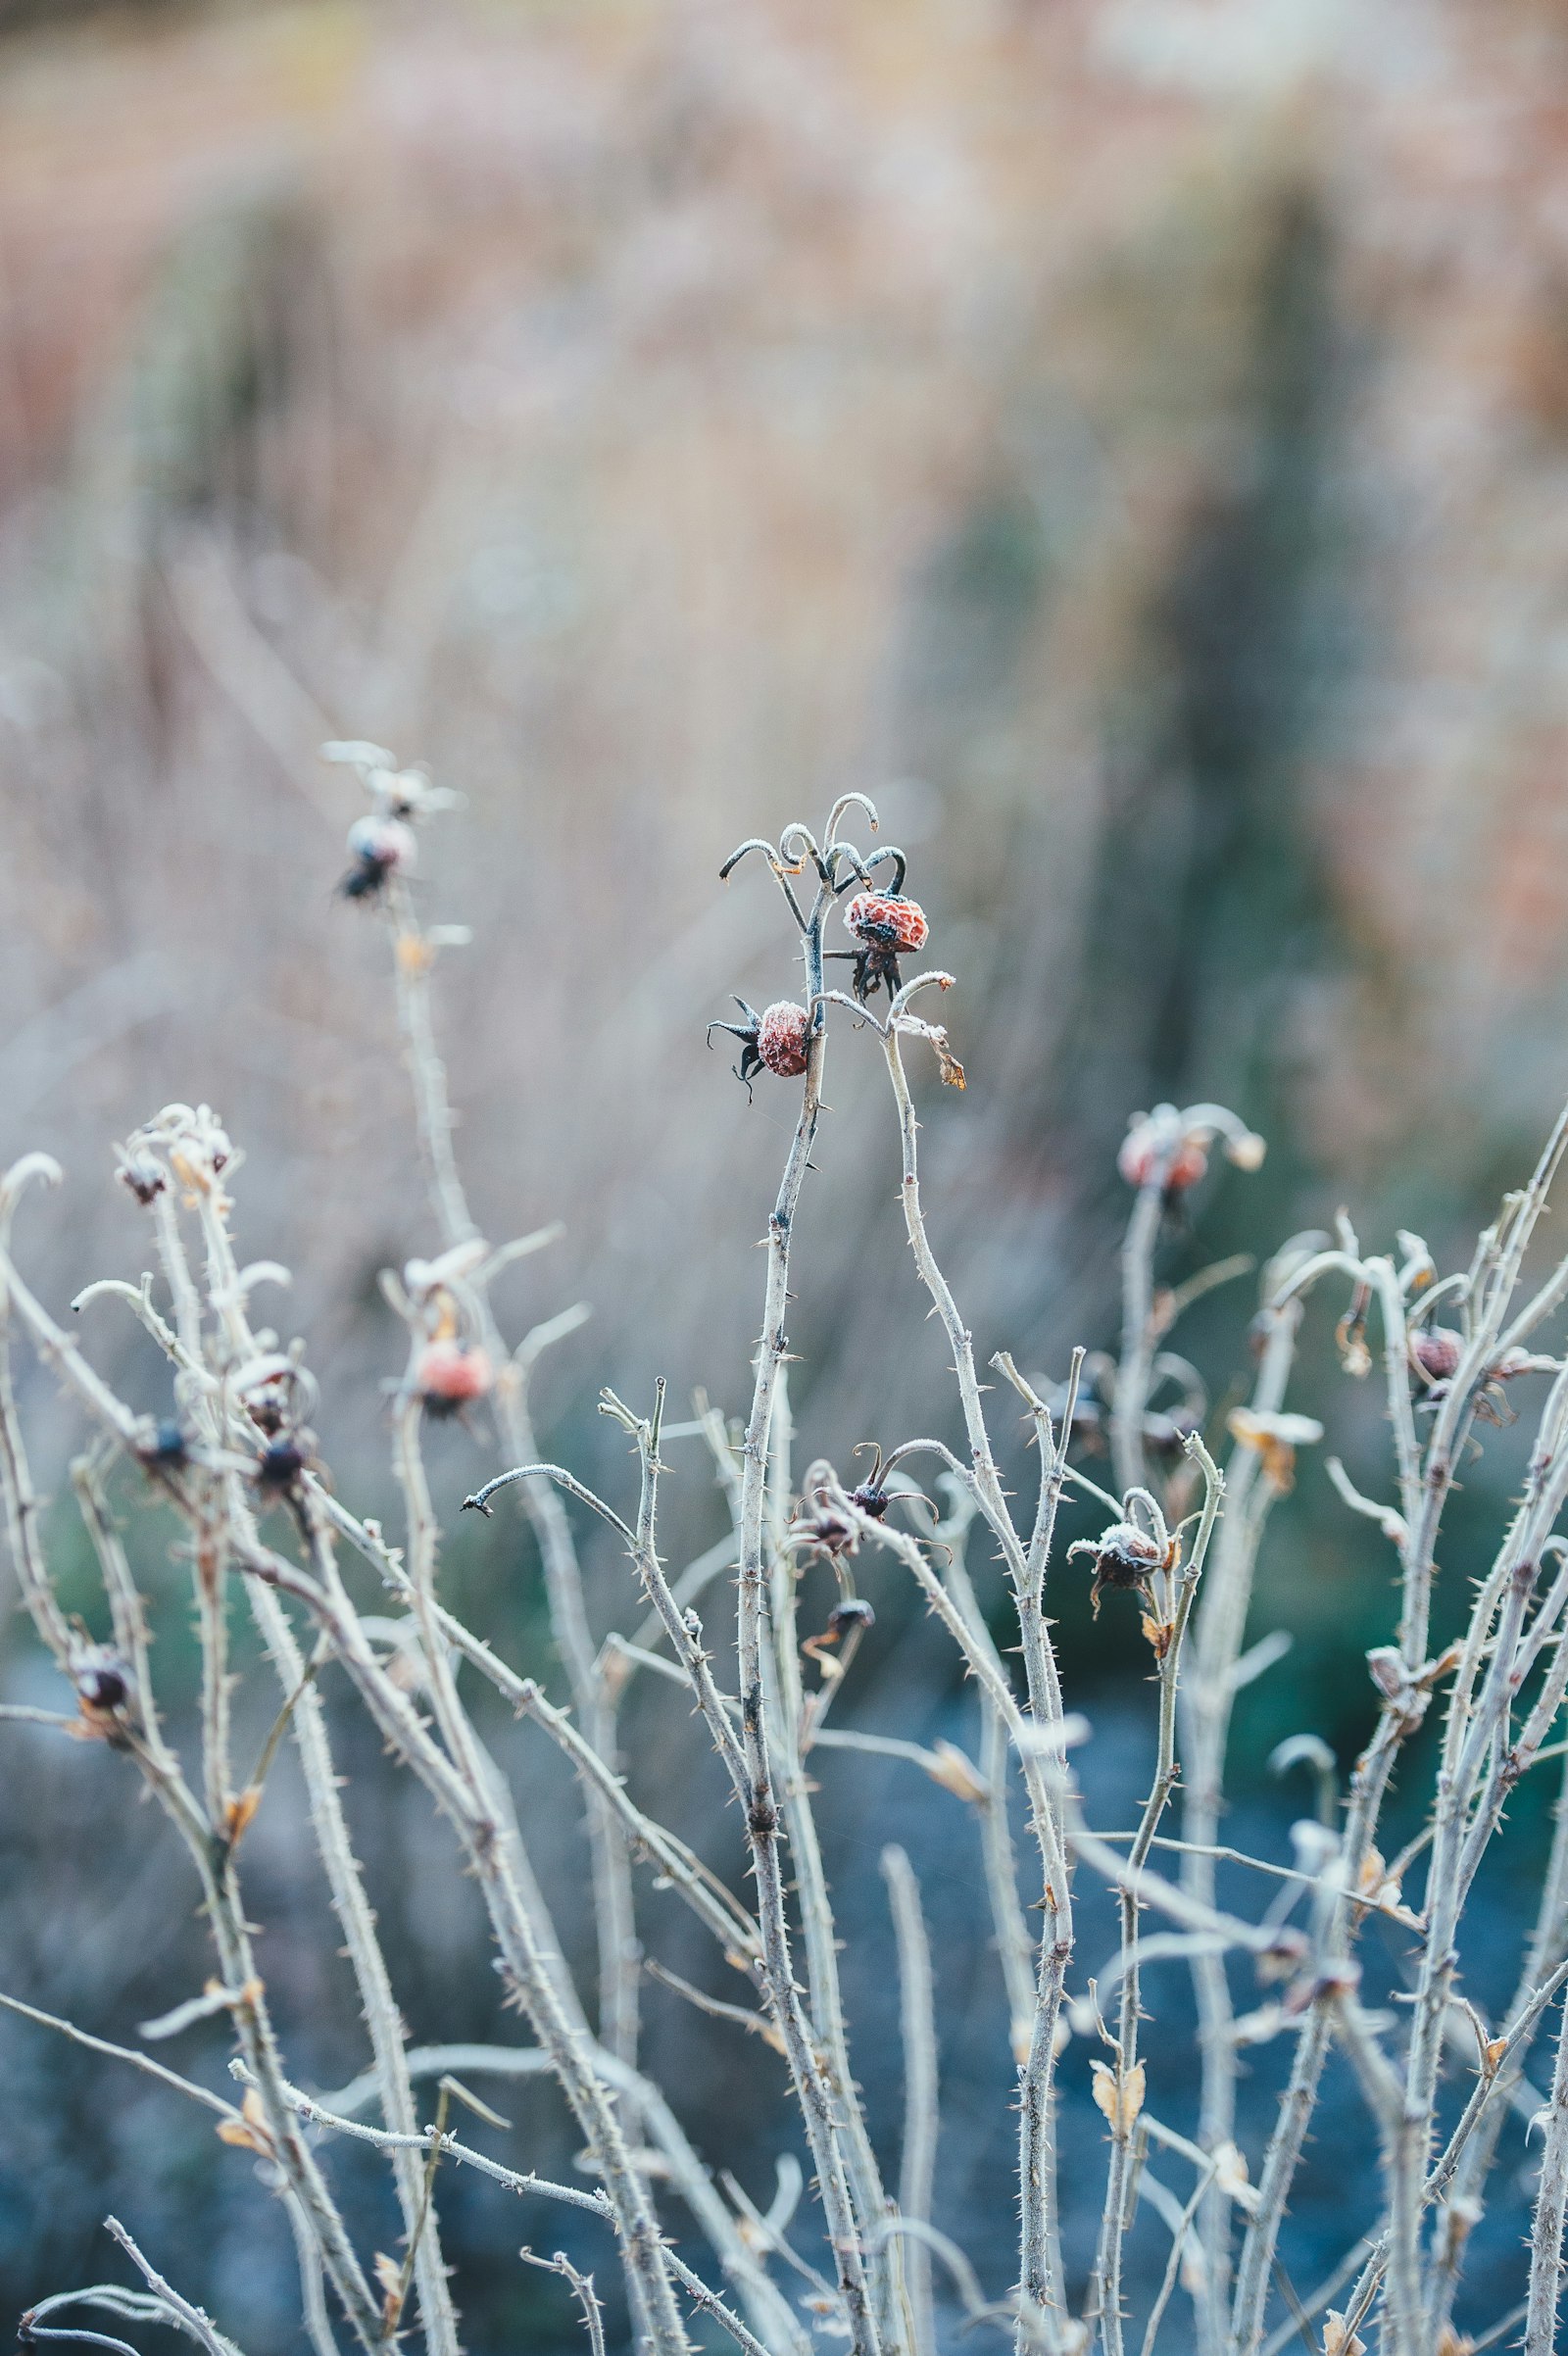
[424, 1279]
[936, 1036]
[19, 1176]
[396, 792]
[820, 1523]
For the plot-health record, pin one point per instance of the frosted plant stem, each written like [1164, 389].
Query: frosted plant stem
[615, 1912]
[334, 1846]
[1219, 1628]
[1106, 2296]
[819, 2099]
[917, 2018]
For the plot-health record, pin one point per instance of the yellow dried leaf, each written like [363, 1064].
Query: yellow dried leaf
[389, 2273]
[230, 2131]
[241, 1811]
[247, 2131]
[948, 1766]
[1121, 2096]
[1338, 2340]
[1455, 2344]
[1492, 2053]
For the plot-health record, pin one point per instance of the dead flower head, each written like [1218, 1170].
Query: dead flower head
[1125, 1559]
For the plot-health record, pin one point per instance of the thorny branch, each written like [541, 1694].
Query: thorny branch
[235, 1462]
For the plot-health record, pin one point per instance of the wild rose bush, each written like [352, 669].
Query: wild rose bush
[265, 1533]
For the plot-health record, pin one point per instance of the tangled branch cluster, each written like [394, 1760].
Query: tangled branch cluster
[265, 1533]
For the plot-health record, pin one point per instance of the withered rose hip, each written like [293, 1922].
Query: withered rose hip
[887, 920]
[886, 925]
[1138, 1158]
[1435, 1350]
[778, 1041]
[448, 1375]
[784, 1038]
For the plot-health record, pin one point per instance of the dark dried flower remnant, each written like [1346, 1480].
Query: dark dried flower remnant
[1125, 1559]
[103, 1691]
[278, 1468]
[141, 1174]
[378, 847]
[167, 1448]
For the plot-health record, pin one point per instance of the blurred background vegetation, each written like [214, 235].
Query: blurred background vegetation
[1127, 437]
